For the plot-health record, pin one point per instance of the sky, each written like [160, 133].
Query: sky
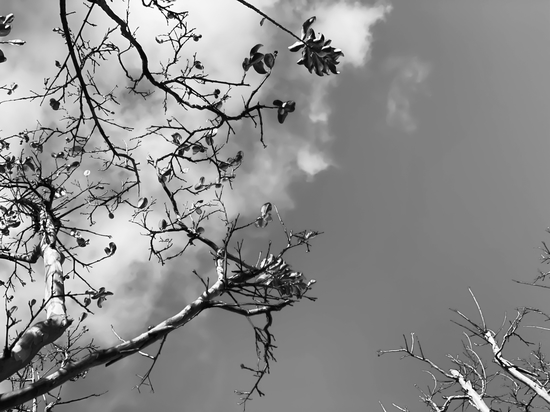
[424, 163]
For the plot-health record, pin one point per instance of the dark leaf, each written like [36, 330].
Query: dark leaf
[296, 46]
[281, 115]
[310, 35]
[5, 29]
[12, 310]
[176, 137]
[29, 164]
[9, 18]
[269, 60]
[54, 104]
[256, 58]
[259, 67]
[332, 67]
[266, 209]
[14, 223]
[306, 27]
[260, 222]
[77, 149]
[255, 49]
[239, 157]
[142, 203]
[200, 185]
[197, 148]
[289, 106]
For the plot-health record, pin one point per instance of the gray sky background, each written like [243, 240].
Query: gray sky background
[428, 176]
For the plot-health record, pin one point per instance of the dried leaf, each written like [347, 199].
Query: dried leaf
[260, 222]
[17, 42]
[176, 137]
[9, 18]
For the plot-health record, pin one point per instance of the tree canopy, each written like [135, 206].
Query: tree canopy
[76, 178]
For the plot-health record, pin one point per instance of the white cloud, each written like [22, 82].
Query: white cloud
[349, 25]
[311, 161]
[408, 80]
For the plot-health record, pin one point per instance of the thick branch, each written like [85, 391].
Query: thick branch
[474, 397]
[44, 332]
[112, 354]
[514, 370]
[260, 310]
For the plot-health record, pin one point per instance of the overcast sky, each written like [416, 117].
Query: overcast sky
[425, 163]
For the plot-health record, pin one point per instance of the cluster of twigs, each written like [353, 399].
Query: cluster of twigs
[520, 384]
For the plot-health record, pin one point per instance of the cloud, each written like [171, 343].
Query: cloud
[312, 161]
[349, 25]
[408, 81]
